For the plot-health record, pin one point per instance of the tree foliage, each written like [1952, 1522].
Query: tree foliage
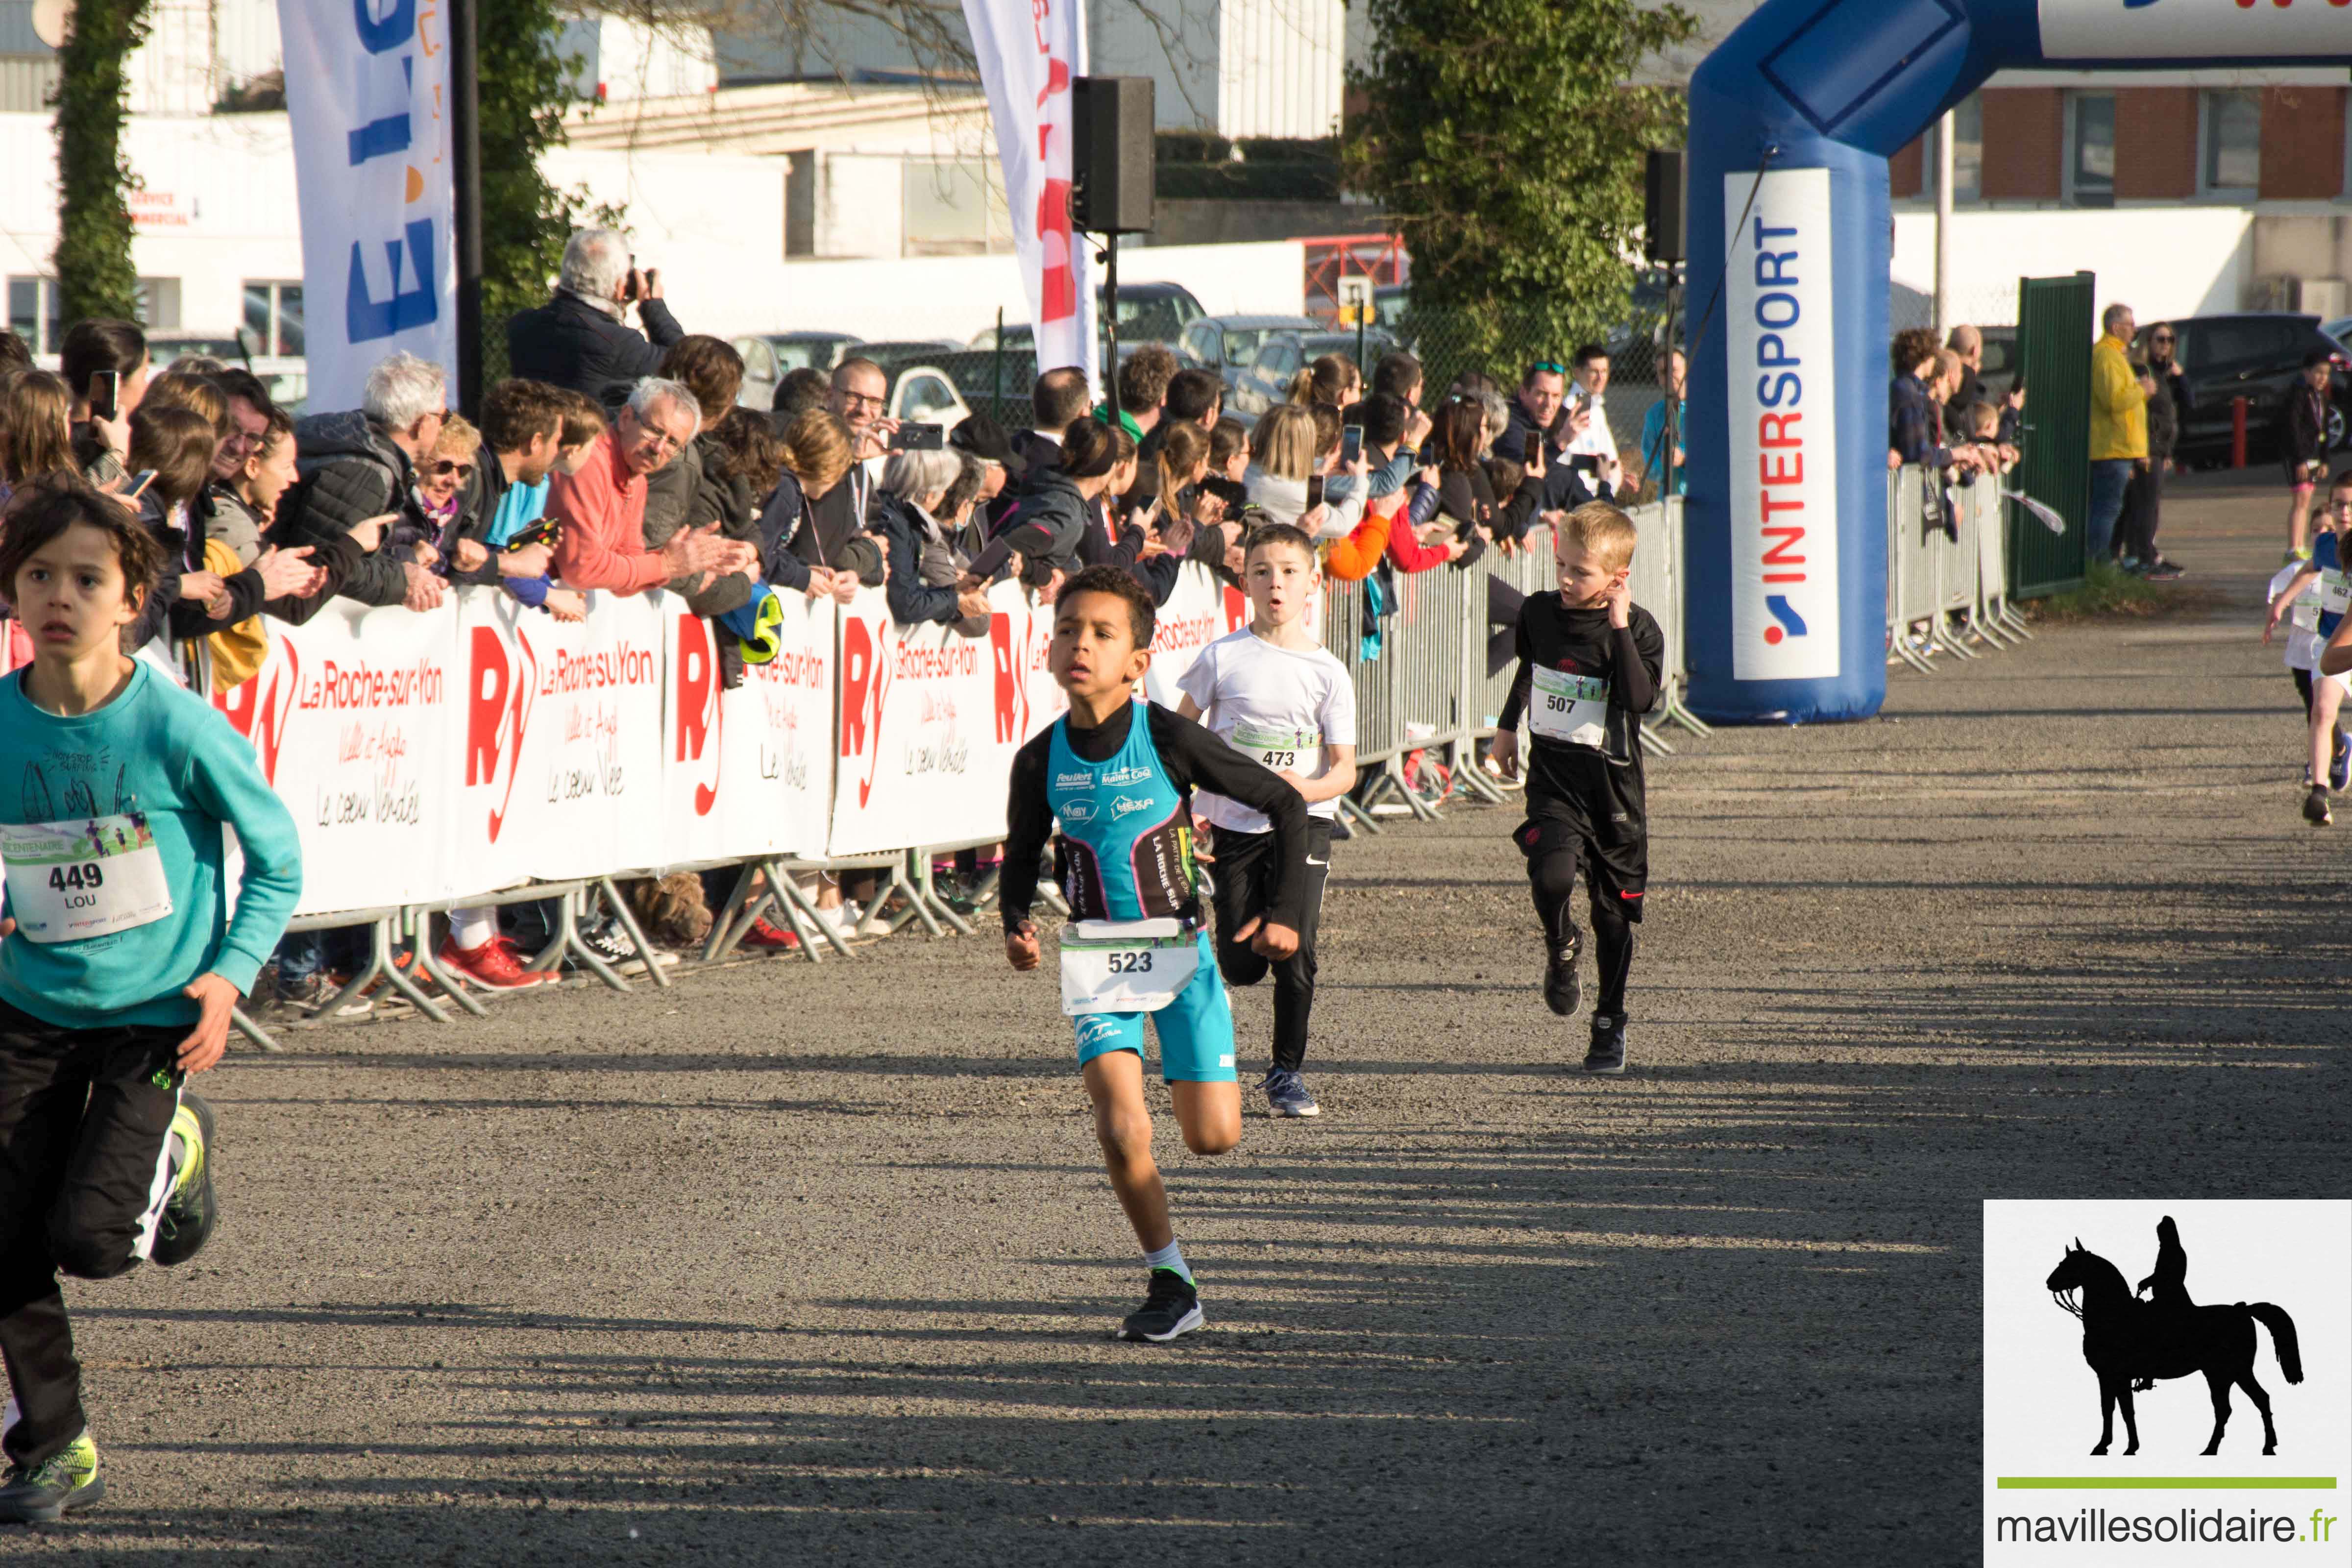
[524, 85]
[96, 275]
[1507, 149]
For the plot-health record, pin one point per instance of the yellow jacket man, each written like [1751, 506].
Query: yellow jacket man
[2118, 428]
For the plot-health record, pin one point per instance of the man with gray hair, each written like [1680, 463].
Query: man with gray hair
[580, 339]
[602, 505]
[355, 500]
[2119, 397]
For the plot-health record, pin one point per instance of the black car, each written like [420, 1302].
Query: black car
[2257, 356]
[1148, 313]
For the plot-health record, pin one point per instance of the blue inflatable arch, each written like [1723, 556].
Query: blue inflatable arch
[1791, 123]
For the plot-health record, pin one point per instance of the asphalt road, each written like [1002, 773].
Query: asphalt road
[817, 1264]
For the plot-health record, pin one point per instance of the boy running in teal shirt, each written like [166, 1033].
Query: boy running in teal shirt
[119, 960]
[1118, 775]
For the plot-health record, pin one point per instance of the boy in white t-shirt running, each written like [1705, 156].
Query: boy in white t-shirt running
[2302, 641]
[2327, 569]
[1276, 693]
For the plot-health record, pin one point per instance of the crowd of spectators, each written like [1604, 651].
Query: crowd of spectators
[617, 460]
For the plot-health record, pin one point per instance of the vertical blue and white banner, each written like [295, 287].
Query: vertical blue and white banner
[1029, 52]
[1782, 403]
[367, 90]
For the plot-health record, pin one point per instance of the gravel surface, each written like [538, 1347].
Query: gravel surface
[797, 1264]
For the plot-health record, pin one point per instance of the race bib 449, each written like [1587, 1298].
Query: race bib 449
[70, 880]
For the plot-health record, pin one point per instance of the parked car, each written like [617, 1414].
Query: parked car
[1228, 344]
[1266, 382]
[769, 357]
[2001, 361]
[287, 376]
[2257, 356]
[1148, 313]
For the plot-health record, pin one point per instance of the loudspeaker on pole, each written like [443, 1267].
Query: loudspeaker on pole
[1665, 223]
[1111, 161]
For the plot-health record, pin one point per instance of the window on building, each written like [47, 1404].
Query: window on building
[2091, 149]
[1968, 153]
[2231, 131]
[947, 207]
[273, 315]
[158, 308]
[33, 312]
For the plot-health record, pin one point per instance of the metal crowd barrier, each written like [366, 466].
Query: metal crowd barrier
[1424, 700]
[1946, 569]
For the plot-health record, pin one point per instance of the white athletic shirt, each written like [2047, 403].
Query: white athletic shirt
[1272, 703]
[2301, 642]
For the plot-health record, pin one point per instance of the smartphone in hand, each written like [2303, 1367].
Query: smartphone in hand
[1351, 446]
[139, 483]
[1531, 449]
[105, 390]
[1314, 491]
[917, 438]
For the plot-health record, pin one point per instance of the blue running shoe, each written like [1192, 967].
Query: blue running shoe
[1286, 1094]
[2339, 765]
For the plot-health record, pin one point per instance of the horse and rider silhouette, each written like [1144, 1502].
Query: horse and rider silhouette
[2130, 1343]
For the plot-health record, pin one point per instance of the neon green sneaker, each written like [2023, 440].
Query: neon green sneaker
[56, 1487]
[190, 1211]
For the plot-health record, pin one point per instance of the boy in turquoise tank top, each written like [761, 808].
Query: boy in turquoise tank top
[1117, 775]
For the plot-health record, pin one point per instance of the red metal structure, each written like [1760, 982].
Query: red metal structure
[1330, 258]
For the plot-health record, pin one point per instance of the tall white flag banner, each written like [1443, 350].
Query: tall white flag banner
[1029, 50]
[367, 93]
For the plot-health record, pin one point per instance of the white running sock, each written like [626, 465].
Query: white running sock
[469, 929]
[1169, 1256]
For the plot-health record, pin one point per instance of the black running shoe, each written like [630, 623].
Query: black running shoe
[1172, 1307]
[1607, 1053]
[1562, 989]
[190, 1212]
[2315, 807]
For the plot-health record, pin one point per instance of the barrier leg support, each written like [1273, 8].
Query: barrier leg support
[735, 917]
[1358, 815]
[807, 923]
[568, 941]
[628, 920]
[450, 985]
[398, 979]
[253, 1032]
[928, 890]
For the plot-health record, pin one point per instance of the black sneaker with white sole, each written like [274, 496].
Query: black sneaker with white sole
[1562, 989]
[2315, 807]
[1607, 1053]
[1172, 1307]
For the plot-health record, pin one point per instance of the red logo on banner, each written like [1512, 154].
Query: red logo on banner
[864, 681]
[257, 708]
[1237, 609]
[498, 710]
[1011, 681]
[700, 715]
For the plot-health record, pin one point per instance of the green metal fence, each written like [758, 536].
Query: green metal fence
[2053, 342]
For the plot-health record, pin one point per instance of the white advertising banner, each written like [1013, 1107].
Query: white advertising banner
[747, 772]
[922, 738]
[561, 767]
[1782, 405]
[1197, 613]
[367, 93]
[1028, 52]
[353, 714]
[2216, 30]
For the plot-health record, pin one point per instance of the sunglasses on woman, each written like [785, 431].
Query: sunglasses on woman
[451, 466]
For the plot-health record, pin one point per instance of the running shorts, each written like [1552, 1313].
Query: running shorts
[1195, 1030]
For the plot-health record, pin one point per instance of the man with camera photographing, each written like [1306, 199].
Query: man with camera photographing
[580, 339]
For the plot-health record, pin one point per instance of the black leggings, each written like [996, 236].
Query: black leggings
[85, 1122]
[1243, 877]
[1551, 878]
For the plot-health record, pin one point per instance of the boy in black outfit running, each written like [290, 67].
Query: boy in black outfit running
[1590, 663]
